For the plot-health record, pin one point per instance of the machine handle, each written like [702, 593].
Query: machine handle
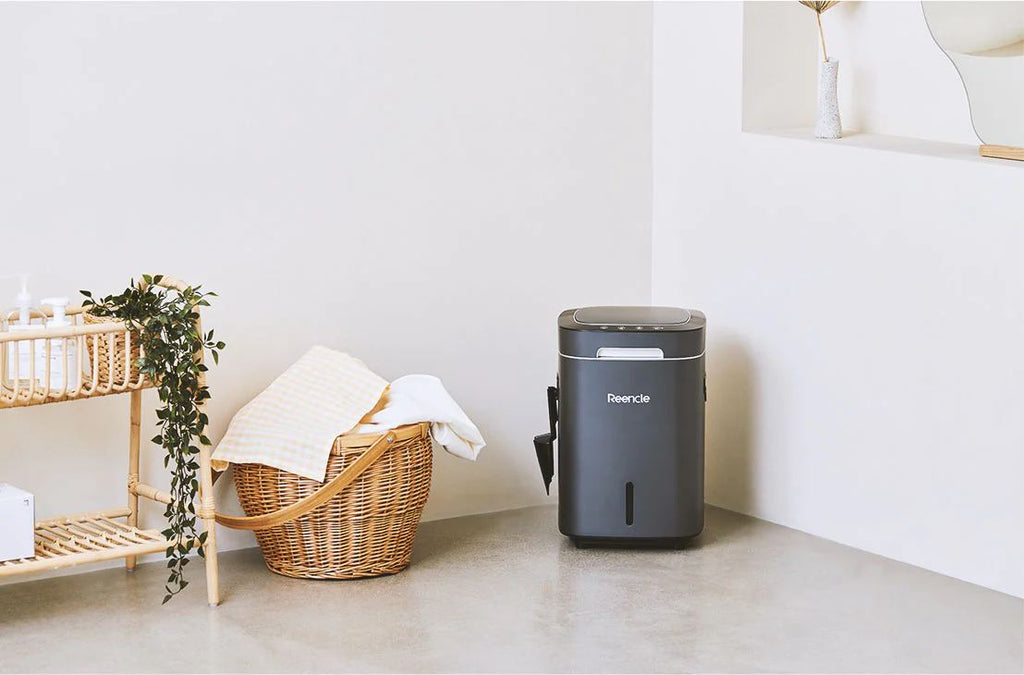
[545, 443]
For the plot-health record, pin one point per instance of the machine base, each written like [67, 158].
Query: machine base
[630, 542]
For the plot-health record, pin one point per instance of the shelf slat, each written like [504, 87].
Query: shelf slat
[22, 399]
[85, 538]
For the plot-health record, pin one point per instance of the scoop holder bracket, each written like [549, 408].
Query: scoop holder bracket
[545, 443]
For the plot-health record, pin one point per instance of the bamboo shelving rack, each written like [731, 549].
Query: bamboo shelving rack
[104, 352]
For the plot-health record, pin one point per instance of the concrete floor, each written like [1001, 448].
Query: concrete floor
[504, 592]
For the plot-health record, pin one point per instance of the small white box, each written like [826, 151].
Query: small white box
[17, 523]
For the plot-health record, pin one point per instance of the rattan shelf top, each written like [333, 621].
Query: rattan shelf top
[101, 348]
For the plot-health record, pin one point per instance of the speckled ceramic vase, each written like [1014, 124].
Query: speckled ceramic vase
[828, 124]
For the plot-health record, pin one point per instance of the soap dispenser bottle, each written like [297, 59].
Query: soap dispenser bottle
[63, 350]
[22, 365]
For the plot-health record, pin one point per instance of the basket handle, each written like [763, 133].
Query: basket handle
[321, 496]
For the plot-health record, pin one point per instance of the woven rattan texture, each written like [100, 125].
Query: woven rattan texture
[366, 530]
[103, 358]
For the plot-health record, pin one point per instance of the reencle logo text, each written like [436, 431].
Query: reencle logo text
[629, 398]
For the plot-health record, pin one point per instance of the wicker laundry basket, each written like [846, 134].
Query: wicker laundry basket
[103, 351]
[360, 522]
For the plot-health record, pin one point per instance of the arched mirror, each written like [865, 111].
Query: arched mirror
[985, 42]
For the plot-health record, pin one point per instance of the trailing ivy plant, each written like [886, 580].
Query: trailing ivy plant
[165, 322]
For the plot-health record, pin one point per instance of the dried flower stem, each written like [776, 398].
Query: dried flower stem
[821, 33]
[820, 8]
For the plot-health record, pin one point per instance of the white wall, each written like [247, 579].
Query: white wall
[864, 308]
[422, 185]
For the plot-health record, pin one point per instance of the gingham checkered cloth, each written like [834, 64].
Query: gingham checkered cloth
[292, 424]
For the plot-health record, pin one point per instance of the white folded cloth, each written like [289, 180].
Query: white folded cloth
[422, 398]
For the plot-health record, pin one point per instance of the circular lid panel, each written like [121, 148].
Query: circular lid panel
[631, 316]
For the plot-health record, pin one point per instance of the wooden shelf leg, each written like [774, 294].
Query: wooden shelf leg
[207, 512]
[133, 467]
[207, 507]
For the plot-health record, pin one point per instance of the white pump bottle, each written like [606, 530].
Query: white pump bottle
[63, 351]
[19, 354]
